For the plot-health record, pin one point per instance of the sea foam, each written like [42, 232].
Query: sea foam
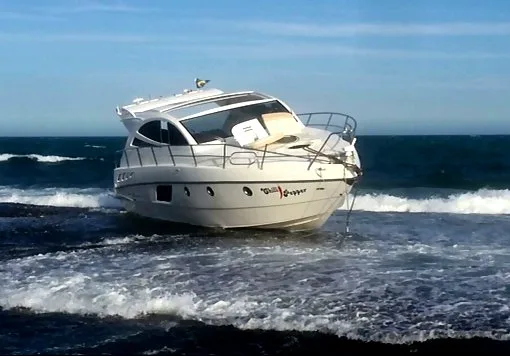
[39, 158]
[60, 197]
[484, 201]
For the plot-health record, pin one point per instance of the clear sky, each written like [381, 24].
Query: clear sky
[399, 67]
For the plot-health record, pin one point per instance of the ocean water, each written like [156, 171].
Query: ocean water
[426, 265]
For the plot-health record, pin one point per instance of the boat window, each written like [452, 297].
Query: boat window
[152, 130]
[162, 132]
[240, 99]
[193, 109]
[139, 143]
[175, 137]
[213, 103]
[209, 127]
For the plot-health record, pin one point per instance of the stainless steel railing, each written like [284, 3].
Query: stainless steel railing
[327, 120]
[344, 126]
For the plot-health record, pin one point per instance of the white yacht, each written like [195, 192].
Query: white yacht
[234, 160]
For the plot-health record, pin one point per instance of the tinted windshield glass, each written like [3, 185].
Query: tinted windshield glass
[219, 124]
[181, 112]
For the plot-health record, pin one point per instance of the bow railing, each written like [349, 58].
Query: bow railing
[331, 121]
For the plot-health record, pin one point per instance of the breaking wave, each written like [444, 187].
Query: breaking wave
[60, 197]
[484, 201]
[40, 158]
[477, 202]
[217, 286]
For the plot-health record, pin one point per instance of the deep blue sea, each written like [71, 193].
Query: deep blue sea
[426, 266]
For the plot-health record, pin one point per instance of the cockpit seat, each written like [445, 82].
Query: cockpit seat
[281, 123]
[252, 134]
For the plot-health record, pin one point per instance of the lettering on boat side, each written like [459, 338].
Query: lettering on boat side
[284, 193]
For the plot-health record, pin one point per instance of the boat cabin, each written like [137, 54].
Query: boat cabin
[247, 119]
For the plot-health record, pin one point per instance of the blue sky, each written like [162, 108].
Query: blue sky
[399, 67]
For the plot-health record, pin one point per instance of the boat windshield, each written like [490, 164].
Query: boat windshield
[210, 127]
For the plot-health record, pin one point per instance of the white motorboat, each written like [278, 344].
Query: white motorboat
[234, 160]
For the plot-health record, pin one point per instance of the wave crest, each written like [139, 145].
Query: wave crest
[39, 158]
[478, 202]
[484, 201]
[60, 197]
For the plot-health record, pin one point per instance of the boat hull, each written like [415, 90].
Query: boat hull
[282, 205]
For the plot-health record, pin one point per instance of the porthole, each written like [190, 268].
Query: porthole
[186, 191]
[210, 191]
[247, 191]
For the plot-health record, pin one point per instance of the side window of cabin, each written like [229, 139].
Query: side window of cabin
[151, 130]
[175, 137]
[162, 132]
[139, 143]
